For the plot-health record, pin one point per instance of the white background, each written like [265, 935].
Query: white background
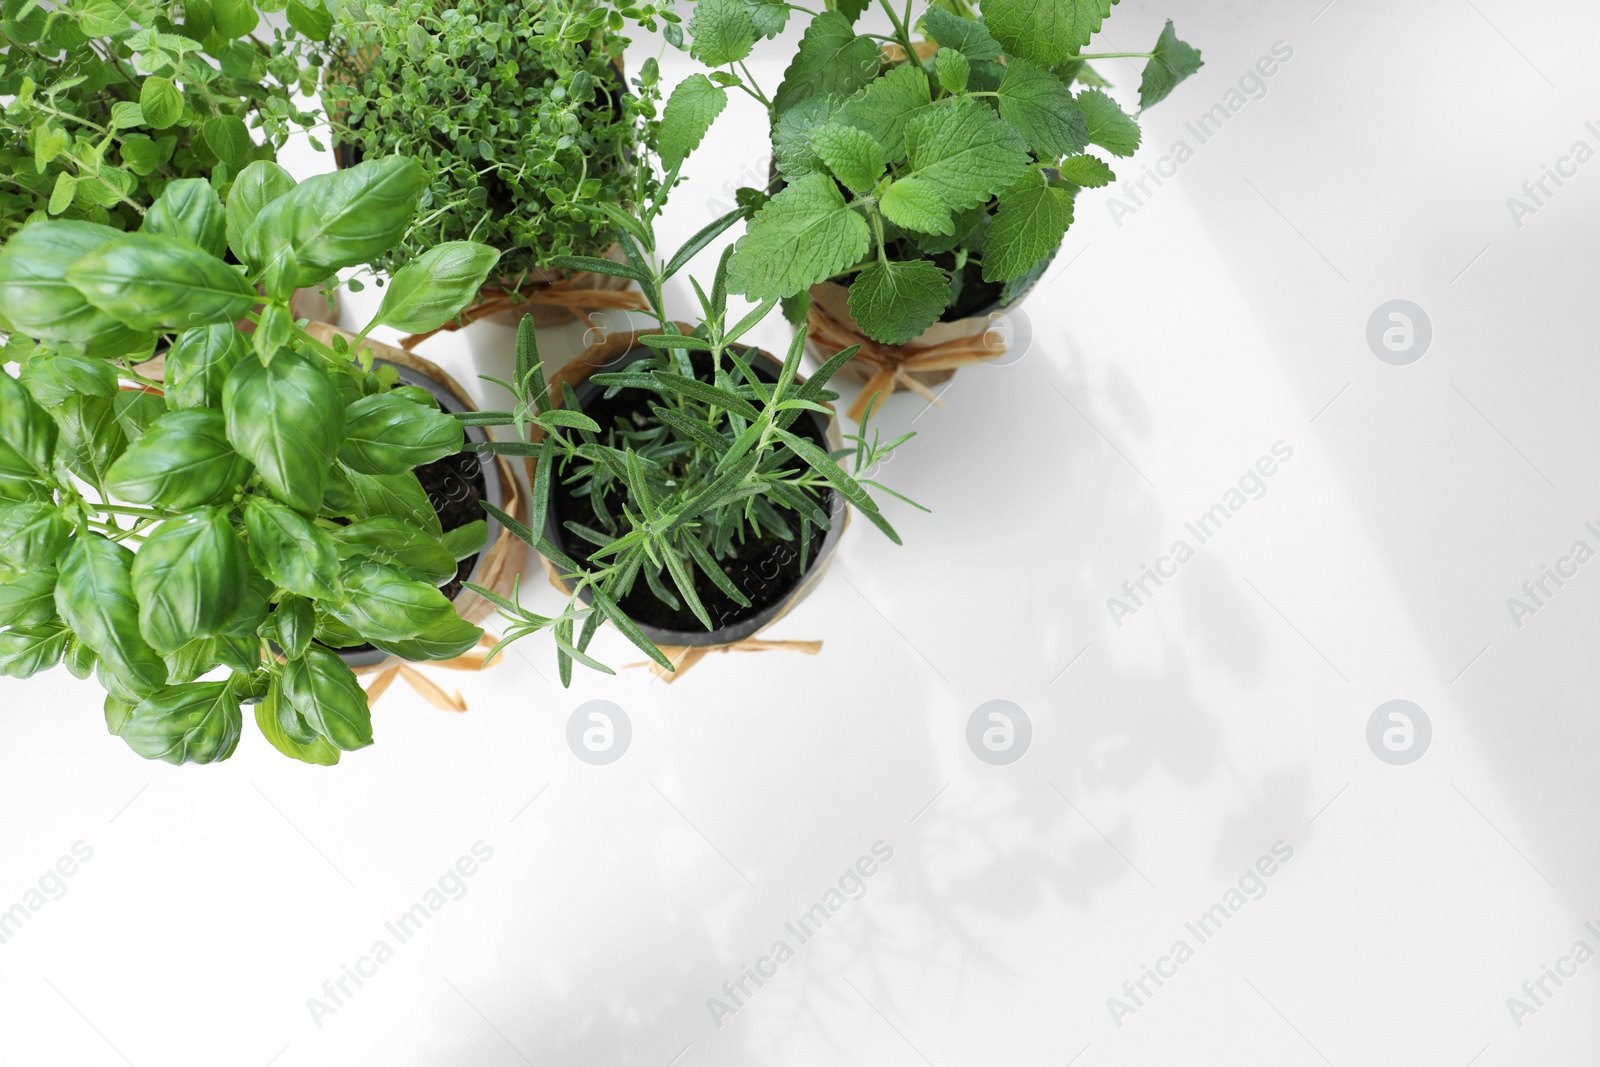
[1167, 353]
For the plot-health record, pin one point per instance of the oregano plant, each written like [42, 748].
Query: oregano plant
[934, 177]
[210, 538]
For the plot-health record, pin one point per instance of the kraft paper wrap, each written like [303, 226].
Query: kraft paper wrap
[590, 361]
[932, 359]
[498, 564]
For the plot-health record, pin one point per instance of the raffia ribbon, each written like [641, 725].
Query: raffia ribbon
[385, 674]
[894, 365]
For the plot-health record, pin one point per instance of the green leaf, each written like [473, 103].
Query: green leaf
[965, 154]
[290, 549]
[125, 115]
[1042, 109]
[1088, 171]
[361, 495]
[137, 411]
[79, 658]
[61, 195]
[195, 723]
[325, 693]
[885, 106]
[468, 540]
[294, 619]
[895, 302]
[286, 418]
[851, 154]
[228, 137]
[1109, 125]
[388, 434]
[319, 751]
[831, 61]
[160, 102]
[953, 69]
[1171, 62]
[427, 292]
[916, 205]
[94, 596]
[723, 32]
[769, 16]
[27, 650]
[32, 534]
[448, 638]
[966, 36]
[182, 461]
[791, 136]
[188, 210]
[338, 220]
[395, 543]
[234, 18]
[1029, 224]
[381, 602]
[151, 282]
[91, 438]
[258, 185]
[27, 434]
[188, 576]
[1050, 31]
[30, 600]
[198, 363]
[691, 109]
[805, 234]
[51, 378]
[314, 22]
[34, 291]
[820, 461]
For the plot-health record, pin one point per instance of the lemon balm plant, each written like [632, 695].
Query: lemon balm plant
[109, 100]
[209, 538]
[932, 177]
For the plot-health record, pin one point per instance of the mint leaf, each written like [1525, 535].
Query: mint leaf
[1042, 109]
[692, 108]
[953, 69]
[791, 135]
[1109, 126]
[1173, 61]
[1088, 171]
[853, 156]
[1028, 225]
[723, 32]
[884, 107]
[965, 154]
[1050, 31]
[832, 60]
[769, 16]
[964, 35]
[804, 235]
[894, 302]
[915, 205]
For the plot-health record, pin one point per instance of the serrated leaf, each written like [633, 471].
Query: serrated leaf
[723, 32]
[851, 154]
[1042, 109]
[1028, 225]
[791, 136]
[915, 205]
[895, 302]
[804, 235]
[1171, 62]
[885, 107]
[953, 70]
[769, 16]
[965, 154]
[832, 61]
[1088, 171]
[692, 108]
[1109, 126]
[966, 36]
[1050, 31]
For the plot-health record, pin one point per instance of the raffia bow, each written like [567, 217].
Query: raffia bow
[893, 364]
[570, 295]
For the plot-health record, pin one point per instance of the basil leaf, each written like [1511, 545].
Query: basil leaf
[295, 621]
[358, 495]
[250, 611]
[32, 534]
[79, 658]
[387, 434]
[27, 434]
[182, 461]
[29, 601]
[198, 363]
[393, 542]
[427, 292]
[137, 411]
[188, 210]
[52, 377]
[195, 723]
[341, 219]
[189, 575]
[27, 650]
[448, 638]
[91, 437]
[195, 658]
[323, 691]
[380, 602]
[94, 595]
[152, 282]
[258, 185]
[466, 540]
[290, 549]
[269, 718]
[286, 418]
[35, 293]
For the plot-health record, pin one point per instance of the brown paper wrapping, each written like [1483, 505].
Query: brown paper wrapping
[590, 361]
[498, 565]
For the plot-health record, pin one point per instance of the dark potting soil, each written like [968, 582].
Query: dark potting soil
[765, 569]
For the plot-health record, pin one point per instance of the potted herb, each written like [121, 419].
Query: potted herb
[208, 539]
[921, 185]
[109, 102]
[685, 486]
[523, 121]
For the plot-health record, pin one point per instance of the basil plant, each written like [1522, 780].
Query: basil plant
[209, 538]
